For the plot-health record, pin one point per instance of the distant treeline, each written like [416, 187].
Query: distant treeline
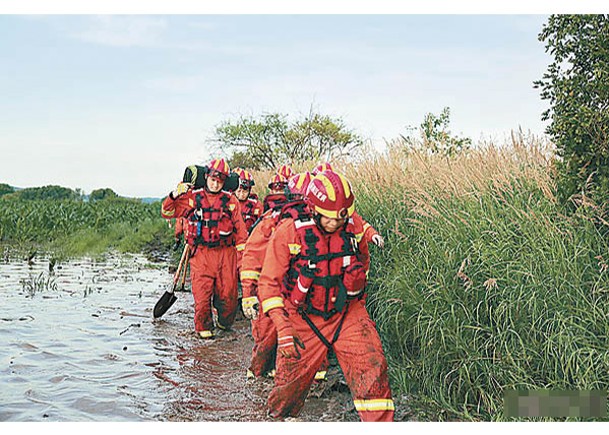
[57, 193]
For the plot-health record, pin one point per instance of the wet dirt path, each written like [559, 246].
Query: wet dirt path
[80, 344]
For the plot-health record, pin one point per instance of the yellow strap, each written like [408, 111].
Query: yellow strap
[249, 274]
[374, 405]
[294, 248]
[271, 303]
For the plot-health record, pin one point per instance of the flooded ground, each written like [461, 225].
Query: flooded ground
[78, 343]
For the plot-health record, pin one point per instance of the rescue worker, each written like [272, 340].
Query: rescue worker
[263, 330]
[216, 236]
[312, 291]
[277, 185]
[364, 229]
[251, 207]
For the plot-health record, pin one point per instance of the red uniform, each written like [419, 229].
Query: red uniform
[263, 329]
[216, 233]
[273, 200]
[307, 278]
[251, 210]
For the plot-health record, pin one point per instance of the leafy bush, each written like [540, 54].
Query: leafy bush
[577, 86]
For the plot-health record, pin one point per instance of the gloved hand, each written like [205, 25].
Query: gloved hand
[354, 279]
[303, 284]
[250, 307]
[181, 189]
[378, 240]
[288, 341]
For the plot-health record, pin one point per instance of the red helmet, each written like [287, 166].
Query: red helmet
[218, 168]
[285, 171]
[246, 180]
[322, 167]
[330, 195]
[298, 183]
[277, 179]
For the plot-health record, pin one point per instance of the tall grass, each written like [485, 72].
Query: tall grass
[485, 283]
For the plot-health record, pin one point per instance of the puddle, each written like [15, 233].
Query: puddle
[80, 344]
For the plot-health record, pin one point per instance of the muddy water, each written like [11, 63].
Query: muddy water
[79, 344]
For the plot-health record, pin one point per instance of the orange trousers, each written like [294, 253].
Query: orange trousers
[265, 345]
[213, 274]
[264, 351]
[359, 353]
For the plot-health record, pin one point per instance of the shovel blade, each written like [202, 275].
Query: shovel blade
[166, 301]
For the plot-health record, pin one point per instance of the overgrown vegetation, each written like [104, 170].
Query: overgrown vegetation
[485, 283]
[576, 85]
[71, 228]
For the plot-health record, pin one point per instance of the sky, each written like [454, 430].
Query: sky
[128, 101]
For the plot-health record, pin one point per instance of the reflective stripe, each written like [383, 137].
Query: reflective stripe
[191, 202]
[359, 237]
[366, 226]
[168, 213]
[270, 303]
[299, 224]
[374, 405]
[301, 288]
[249, 274]
[231, 207]
[240, 247]
[294, 248]
[346, 261]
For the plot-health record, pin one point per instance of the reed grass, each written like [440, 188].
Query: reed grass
[485, 284]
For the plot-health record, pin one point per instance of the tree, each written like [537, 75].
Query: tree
[48, 192]
[6, 189]
[99, 194]
[270, 140]
[436, 137]
[576, 84]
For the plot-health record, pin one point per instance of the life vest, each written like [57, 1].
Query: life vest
[274, 200]
[208, 224]
[249, 213]
[325, 257]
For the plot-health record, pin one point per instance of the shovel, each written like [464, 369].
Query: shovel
[169, 297]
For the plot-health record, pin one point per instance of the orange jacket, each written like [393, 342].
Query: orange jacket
[251, 210]
[363, 234]
[283, 246]
[254, 253]
[182, 205]
[367, 230]
[179, 228]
